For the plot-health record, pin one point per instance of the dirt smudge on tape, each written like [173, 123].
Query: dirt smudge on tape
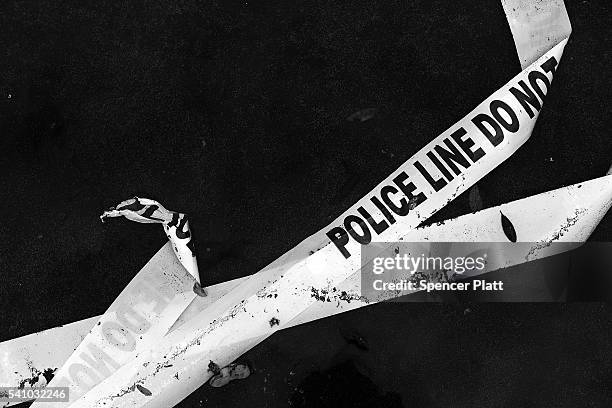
[325, 295]
[569, 222]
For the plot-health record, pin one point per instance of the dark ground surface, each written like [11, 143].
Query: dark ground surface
[235, 113]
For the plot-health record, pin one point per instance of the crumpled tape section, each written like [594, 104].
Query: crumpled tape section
[176, 227]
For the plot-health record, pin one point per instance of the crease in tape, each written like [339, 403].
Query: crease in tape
[176, 227]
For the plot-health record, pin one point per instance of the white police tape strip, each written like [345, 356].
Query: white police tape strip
[274, 296]
[567, 215]
[536, 26]
[32, 361]
[460, 153]
[532, 29]
[176, 227]
[143, 312]
[544, 218]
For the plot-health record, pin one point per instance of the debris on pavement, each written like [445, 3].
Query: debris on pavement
[229, 373]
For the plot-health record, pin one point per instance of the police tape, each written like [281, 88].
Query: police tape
[176, 227]
[566, 215]
[543, 219]
[434, 176]
[444, 168]
[144, 312]
[272, 298]
[32, 361]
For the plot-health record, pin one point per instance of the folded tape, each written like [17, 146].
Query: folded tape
[176, 227]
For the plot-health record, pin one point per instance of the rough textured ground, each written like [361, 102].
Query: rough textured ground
[234, 112]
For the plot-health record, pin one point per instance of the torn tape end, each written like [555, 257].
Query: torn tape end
[176, 227]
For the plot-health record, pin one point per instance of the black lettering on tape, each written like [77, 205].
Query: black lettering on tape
[340, 238]
[466, 145]
[180, 222]
[533, 77]
[378, 227]
[526, 97]
[550, 65]
[434, 159]
[409, 189]
[451, 156]
[365, 237]
[357, 228]
[436, 184]
[385, 193]
[384, 210]
[513, 125]
[495, 138]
